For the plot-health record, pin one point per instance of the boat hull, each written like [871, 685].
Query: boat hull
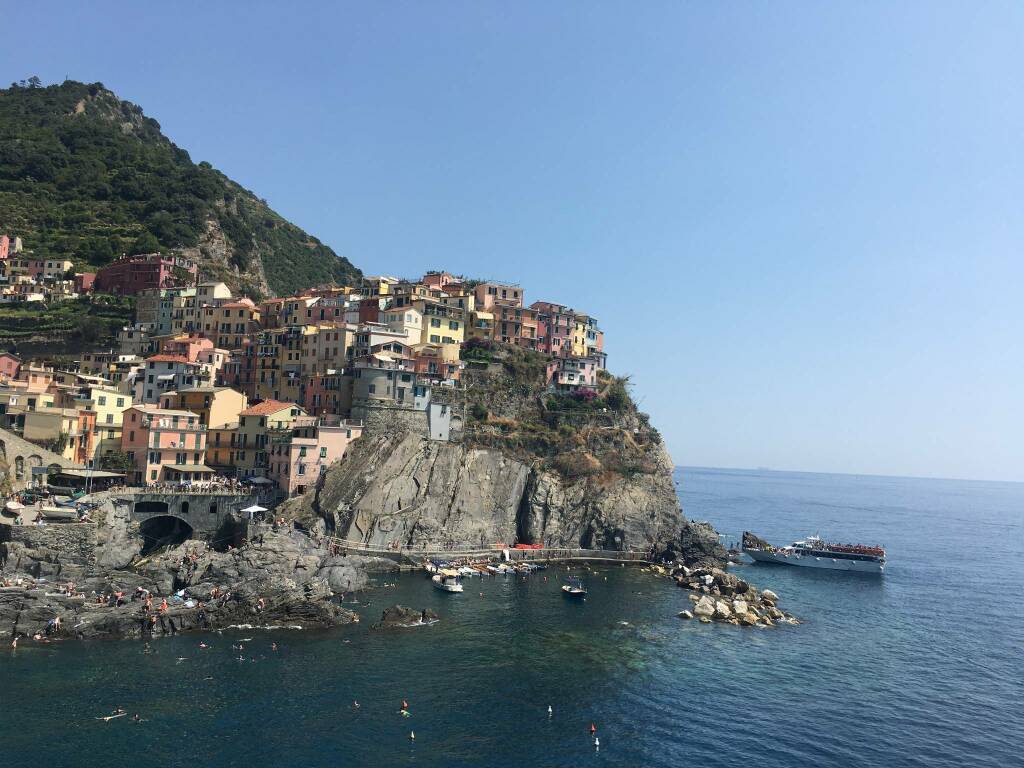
[813, 561]
[446, 584]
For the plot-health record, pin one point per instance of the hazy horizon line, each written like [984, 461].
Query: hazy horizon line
[848, 474]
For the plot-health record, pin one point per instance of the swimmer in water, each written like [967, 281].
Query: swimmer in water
[355, 705]
[273, 646]
[593, 729]
[551, 712]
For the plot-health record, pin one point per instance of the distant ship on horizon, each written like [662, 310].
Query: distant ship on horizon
[815, 552]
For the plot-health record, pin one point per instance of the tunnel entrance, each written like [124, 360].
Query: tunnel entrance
[163, 531]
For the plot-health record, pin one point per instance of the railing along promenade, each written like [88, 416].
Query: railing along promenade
[559, 554]
[173, 489]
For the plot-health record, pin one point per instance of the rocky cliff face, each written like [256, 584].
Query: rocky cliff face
[416, 492]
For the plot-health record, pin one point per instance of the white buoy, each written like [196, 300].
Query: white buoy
[550, 711]
[412, 735]
[597, 743]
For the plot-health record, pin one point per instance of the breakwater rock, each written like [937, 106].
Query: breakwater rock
[400, 617]
[718, 596]
[407, 491]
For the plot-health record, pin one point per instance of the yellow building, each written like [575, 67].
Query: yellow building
[67, 431]
[378, 285]
[281, 355]
[220, 447]
[109, 405]
[407, 320]
[442, 324]
[216, 406]
[231, 323]
[481, 325]
[252, 438]
[326, 346]
[16, 399]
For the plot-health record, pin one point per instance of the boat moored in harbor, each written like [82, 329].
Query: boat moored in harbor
[447, 581]
[575, 589]
[815, 552]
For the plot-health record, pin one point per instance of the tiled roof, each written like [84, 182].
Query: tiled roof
[167, 359]
[267, 407]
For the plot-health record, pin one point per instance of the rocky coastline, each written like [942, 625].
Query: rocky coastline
[92, 580]
[277, 579]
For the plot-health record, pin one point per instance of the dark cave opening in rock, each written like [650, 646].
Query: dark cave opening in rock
[164, 531]
[231, 533]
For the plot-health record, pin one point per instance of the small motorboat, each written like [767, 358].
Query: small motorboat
[574, 588]
[447, 581]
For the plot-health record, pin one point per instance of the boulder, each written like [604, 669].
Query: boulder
[769, 595]
[694, 598]
[741, 587]
[739, 607]
[705, 620]
[722, 611]
[685, 615]
[401, 616]
[704, 608]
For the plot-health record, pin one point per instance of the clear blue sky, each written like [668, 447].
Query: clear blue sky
[800, 224]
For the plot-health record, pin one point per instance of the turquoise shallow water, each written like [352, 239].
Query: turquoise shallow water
[921, 667]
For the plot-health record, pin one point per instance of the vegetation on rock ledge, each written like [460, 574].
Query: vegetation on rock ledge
[583, 434]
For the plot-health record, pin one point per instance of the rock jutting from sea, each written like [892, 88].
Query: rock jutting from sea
[718, 596]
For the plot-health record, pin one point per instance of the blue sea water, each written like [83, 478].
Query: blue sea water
[922, 667]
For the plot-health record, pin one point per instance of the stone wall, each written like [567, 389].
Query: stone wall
[22, 457]
[71, 542]
[379, 420]
[393, 420]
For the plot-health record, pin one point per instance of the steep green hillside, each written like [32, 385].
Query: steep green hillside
[87, 176]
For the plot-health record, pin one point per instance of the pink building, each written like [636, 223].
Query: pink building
[297, 460]
[430, 362]
[440, 280]
[84, 282]
[489, 295]
[164, 444]
[187, 346]
[130, 275]
[554, 328]
[571, 374]
[5, 246]
[9, 366]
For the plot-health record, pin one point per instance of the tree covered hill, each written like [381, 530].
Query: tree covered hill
[86, 176]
